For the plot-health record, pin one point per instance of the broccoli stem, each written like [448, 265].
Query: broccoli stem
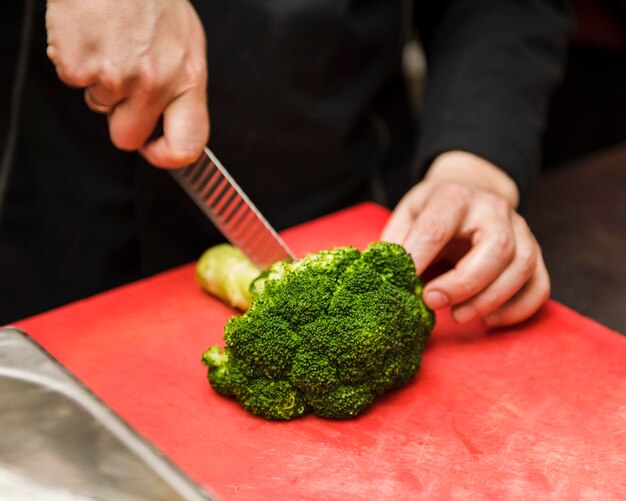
[225, 272]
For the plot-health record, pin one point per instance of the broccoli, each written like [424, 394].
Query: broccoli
[326, 334]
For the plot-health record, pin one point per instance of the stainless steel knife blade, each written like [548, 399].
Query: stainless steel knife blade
[218, 195]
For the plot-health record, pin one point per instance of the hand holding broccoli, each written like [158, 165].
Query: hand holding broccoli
[464, 212]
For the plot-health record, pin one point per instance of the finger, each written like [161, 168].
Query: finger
[74, 75]
[492, 251]
[397, 228]
[108, 94]
[96, 106]
[132, 121]
[510, 281]
[525, 303]
[437, 223]
[186, 131]
[401, 220]
[102, 100]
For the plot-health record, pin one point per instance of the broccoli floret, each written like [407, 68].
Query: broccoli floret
[326, 334]
[272, 399]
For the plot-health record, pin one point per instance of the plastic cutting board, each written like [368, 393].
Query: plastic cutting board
[533, 412]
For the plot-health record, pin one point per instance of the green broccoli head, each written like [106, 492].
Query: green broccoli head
[325, 334]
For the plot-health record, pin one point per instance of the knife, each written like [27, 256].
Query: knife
[217, 194]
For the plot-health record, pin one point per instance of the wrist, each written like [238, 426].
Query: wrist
[467, 168]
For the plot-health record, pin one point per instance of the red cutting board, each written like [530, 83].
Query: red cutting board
[532, 412]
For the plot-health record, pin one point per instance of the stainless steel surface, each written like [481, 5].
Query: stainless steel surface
[208, 183]
[60, 442]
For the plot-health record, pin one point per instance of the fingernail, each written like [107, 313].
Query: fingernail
[464, 314]
[436, 300]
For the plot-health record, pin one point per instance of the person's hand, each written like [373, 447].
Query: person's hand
[137, 60]
[463, 211]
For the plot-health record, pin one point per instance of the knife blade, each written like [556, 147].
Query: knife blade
[219, 196]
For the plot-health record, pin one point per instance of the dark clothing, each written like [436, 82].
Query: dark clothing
[309, 112]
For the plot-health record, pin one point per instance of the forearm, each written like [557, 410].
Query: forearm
[491, 68]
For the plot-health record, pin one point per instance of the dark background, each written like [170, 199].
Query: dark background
[578, 212]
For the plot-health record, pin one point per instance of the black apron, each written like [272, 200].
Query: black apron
[309, 112]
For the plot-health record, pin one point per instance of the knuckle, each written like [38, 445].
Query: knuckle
[455, 192]
[503, 242]
[51, 52]
[112, 79]
[489, 300]
[499, 203]
[523, 228]
[526, 261]
[431, 229]
[197, 74]
[465, 287]
[523, 224]
[192, 83]
[73, 75]
[150, 80]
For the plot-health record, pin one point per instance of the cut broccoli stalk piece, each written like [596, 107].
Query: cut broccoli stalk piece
[225, 272]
